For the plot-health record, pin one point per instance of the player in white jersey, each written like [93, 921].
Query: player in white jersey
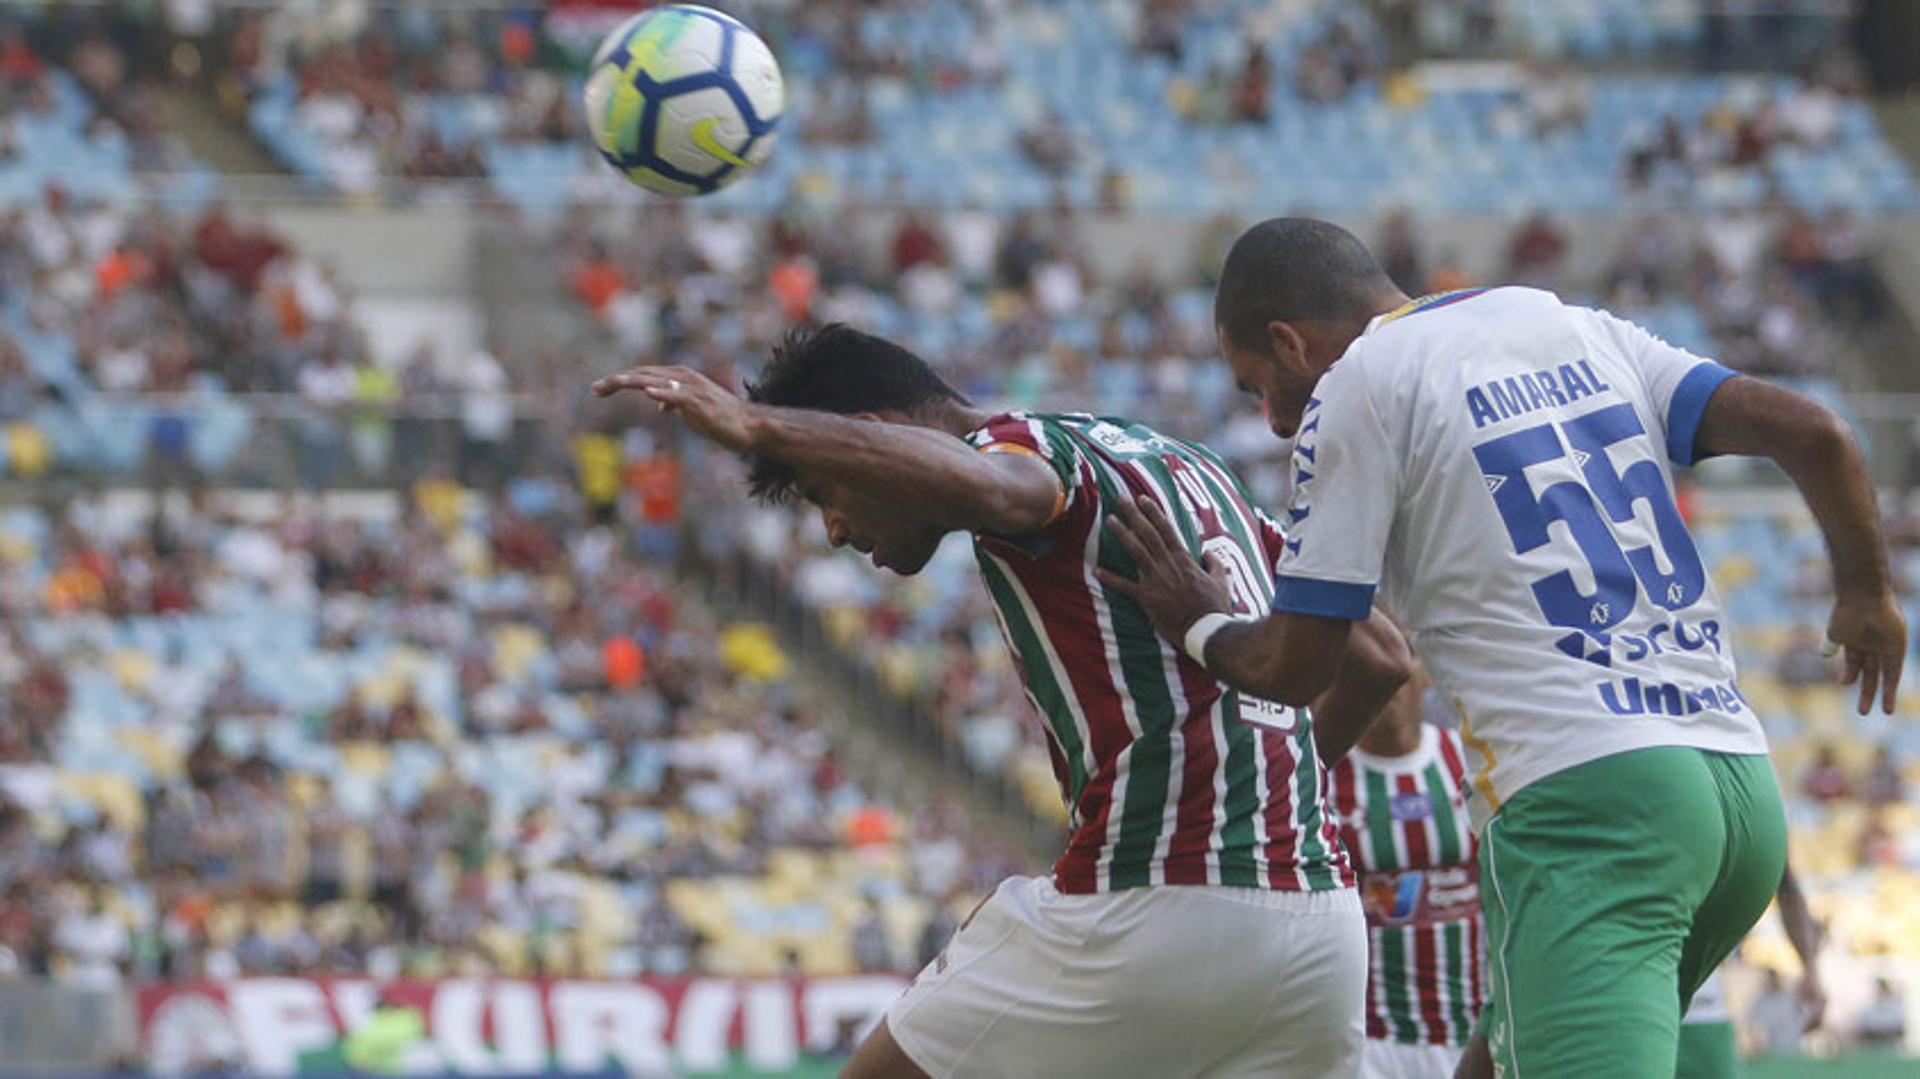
[1498, 463]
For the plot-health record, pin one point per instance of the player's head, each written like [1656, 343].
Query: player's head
[836, 368]
[1294, 294]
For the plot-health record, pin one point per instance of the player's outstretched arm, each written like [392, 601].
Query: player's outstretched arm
[1804, 933]
[927, 474]
[1289, 658]
[1817, 451]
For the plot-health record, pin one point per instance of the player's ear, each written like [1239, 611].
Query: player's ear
[1289, 348]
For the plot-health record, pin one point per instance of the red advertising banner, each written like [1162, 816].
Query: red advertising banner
[646, 1026]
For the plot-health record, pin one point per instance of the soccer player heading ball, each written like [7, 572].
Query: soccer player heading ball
[1203, 919]
[1500, 464]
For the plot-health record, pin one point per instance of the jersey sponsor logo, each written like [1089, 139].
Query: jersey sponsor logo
[1118, 439]
[1531, 391]
[1420, 897]
[1415, 806]
[1268, 714]
[1659, 639]
[1633, 697]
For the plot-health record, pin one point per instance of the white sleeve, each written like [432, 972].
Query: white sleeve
[1346, 487]
[1677, 383]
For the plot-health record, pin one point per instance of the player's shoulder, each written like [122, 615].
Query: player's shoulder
[1422, 340]
[1439, 321]
[1018, 426]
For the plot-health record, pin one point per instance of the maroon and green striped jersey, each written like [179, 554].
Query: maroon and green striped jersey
[1169, 777]
[1404, 820]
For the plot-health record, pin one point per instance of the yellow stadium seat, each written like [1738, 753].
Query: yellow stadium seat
[367, 758]
[161, 756]
[113, 795]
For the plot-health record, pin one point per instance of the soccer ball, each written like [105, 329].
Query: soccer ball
[684, 100]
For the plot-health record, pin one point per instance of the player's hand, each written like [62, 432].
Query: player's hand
[1874, 636]
[1172, 587]
[709, 408]
[1812, 997]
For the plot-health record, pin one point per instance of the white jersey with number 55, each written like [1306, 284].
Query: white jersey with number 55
[1497, 462]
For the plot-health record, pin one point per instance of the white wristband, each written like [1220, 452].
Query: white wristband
[1202, 631]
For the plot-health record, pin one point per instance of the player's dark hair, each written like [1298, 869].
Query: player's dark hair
[836, 368]
[1294, 268]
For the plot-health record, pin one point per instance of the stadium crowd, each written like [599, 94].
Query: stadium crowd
[517, 745]
[484, 734]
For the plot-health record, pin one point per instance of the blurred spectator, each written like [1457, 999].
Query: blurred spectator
[91, 944]
[936, 933]
[1398, 248]
[1884, 1022]
[871, 950]
[1537, 253]
[1825, 780]
[1800, 663]
[1883, 784]
[1253, 88]
[1050, 147]
[915, 243]
[1553, 100]
[1775, 1018]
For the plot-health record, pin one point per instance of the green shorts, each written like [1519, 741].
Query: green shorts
[1611, 891]
[1707, 1051]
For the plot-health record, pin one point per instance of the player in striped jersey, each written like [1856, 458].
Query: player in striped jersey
[1400, 798]
[1203, 919]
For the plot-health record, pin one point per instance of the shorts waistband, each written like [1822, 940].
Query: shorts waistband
[1333, 901]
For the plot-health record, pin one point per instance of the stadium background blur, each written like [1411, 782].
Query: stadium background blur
[346, 643]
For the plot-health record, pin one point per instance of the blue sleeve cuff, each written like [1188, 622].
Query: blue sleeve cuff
[1689, 403]
[1328, 599]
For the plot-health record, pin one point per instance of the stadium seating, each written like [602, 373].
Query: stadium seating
[1452, 146]
[717, 773]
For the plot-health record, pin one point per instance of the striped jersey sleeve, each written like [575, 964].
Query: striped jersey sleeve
[1021, 433]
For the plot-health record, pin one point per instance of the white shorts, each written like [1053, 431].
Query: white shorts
[1383, 1059]
[1163, 982]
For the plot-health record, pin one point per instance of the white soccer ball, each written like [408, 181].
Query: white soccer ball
[684, 100]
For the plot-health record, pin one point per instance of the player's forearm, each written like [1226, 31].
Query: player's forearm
[1832, 476]
[1816, 449]
[927, 474]
[1376, 664]
[1802, 931]
[1262, 658]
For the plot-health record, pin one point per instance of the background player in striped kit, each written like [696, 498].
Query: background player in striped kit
[1399, 796]
[1203, 919]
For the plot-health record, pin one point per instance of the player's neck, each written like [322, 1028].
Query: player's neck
[1388, 301]
[954, 418]
[1336, 337]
